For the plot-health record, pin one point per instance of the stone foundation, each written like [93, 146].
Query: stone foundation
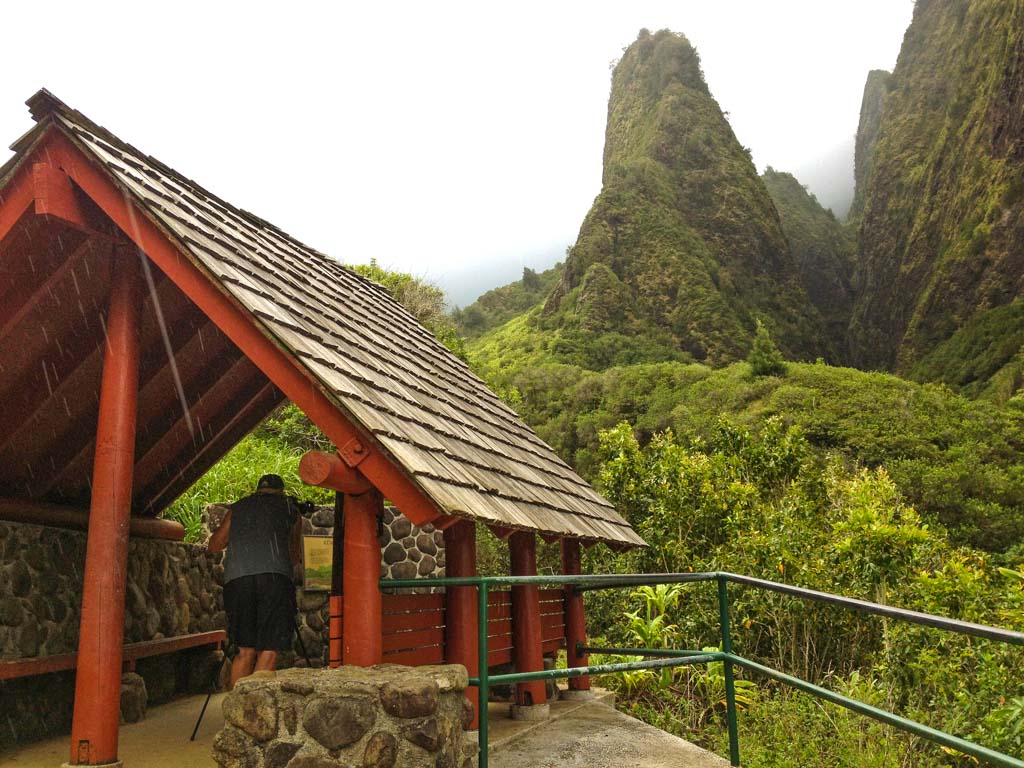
[173, 589]
[377, 717]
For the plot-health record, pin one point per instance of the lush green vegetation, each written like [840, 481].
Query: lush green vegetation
[984, 358]
[958, 461]
[498, 306]
[767, 504]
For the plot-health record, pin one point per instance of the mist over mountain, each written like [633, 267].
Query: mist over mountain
[829, 177]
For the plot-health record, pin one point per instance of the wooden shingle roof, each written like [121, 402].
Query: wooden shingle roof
[464, 448]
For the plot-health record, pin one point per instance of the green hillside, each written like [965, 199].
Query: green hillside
[958, 461]
[499, 305]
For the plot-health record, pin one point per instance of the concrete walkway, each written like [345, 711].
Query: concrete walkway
[578, 735]
[591, 735]
[158, 741]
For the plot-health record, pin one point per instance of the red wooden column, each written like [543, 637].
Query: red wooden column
[362, 639]
[98, 681]
[527, 653]
[575, 622]
[461, 619]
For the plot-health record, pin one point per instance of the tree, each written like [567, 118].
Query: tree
[765, 358]
[531, 280]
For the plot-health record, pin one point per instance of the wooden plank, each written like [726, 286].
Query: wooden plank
[41, 665]
[416, 658]
[399, 603]
[500, 628]
[37, 666]
[411, 640]
[499, 612]
[551, 646]
[496, 657]
[402, 622]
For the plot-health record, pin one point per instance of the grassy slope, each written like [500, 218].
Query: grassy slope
[499, 305]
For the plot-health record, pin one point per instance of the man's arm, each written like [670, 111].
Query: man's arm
[219, 540]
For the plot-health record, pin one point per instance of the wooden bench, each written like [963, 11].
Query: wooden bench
[61, 662]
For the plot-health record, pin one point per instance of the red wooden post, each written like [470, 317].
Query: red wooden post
[362, 641]
[575, 622]
[528, 654]
[98, 681]
[460, 621]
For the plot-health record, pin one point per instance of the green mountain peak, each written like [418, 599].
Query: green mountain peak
[683, 246]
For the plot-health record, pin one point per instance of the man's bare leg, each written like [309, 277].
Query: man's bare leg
[266, 661]
[243, 664]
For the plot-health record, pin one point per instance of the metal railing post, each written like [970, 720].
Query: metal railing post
[483, 687]
[730, 681]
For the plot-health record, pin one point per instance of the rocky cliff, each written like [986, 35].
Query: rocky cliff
[941, 239]
[823, 249]
[875, 90]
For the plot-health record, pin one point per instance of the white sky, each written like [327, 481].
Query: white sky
[456, 141]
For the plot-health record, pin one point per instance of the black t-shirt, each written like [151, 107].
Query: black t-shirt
[261, 526]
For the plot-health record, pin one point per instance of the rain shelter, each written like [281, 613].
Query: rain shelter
[146, 326]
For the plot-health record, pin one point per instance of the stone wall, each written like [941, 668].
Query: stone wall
[377, 717]
[172, 589]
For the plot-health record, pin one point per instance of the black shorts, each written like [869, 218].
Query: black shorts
[261, 611]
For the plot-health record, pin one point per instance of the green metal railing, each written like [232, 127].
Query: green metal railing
[663, 658]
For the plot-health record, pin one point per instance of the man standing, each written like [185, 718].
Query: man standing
[262, 534]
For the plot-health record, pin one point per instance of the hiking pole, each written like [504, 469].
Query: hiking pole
[213, 690]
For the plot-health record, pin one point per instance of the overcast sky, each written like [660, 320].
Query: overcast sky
[456, 141]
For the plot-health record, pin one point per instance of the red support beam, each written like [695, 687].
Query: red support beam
[168, 428]
[461, 619]
[40, 513]
[16, 312]
[575, 621]
[528, 654]
[327, 470]
[362, 641]
[164, 489]
[98, 681]
[15, 199]
[56, 197]
[301, 387]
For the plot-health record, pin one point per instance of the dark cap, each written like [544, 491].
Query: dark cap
[270, 481]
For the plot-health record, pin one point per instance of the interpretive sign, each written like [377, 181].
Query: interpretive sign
[317, 556]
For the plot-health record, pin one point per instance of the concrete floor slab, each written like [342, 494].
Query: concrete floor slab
[593, 735]
[158, 741]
